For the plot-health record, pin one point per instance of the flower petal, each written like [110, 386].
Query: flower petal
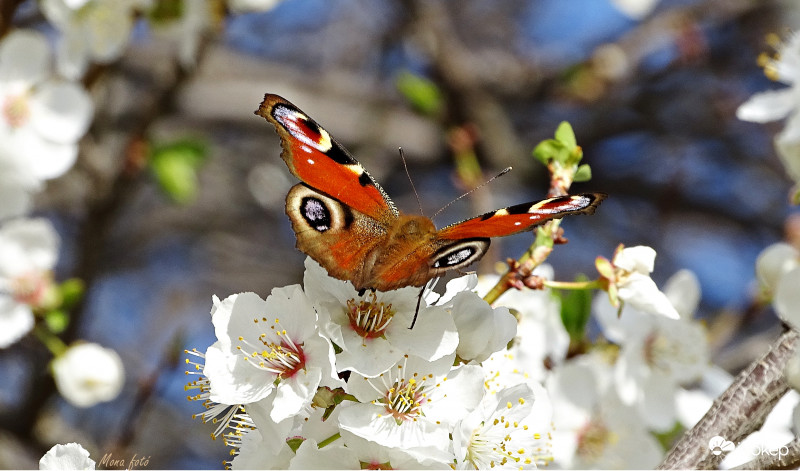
[24, 56]
[61, 111]
[767, 106]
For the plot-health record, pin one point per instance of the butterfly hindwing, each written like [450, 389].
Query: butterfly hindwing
[314, 157]
[521, 217]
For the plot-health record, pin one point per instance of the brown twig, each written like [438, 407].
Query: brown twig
[739, 411]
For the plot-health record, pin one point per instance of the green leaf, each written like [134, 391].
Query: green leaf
[423, 94]
[547, 150]
[583, 174]
[56, 321]
[576, 306]
[175, 167]
[566, 136]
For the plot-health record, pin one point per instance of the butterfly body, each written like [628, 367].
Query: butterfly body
[345, 221]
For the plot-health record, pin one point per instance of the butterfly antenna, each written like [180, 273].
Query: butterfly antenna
[505, 171]
[405, 165]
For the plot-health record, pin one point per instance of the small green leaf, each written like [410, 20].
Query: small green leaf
[547, 150]
[566, 136]
[576, 306]
[175, 168]
[583, 174]
[423, 94]
[56, 321]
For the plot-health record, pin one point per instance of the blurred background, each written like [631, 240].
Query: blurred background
[178, 191]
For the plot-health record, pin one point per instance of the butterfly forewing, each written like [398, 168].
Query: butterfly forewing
[521, 217]
[314, 157]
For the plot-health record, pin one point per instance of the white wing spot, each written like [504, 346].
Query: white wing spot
[355, 168]
[518, 223]
[311, 161]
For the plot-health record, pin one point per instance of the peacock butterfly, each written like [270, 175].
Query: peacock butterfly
[346, 222]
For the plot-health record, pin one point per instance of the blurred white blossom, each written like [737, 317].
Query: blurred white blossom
[87, 374]
[71, 456]
[28, 253]
[772, 105]
[42, 117]
[92, 31]
[778, 271]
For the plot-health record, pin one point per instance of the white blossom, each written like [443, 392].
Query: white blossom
[783, 67]
[71, 456]
[508, 430]
[87, 374]
[268, 345]
[778, 270]
[413, 406]
[42, 117]
[373, 329]
[28, 253]
[629, 282]
[92, 31]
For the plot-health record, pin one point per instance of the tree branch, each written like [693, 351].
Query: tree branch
[739, 411]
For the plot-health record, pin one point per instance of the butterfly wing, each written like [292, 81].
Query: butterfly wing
[521, 217]
[314, 157]
[339, 238]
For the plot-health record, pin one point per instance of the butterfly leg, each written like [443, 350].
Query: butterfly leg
[416, 311]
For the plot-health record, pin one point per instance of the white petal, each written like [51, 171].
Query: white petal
[640, 259]
[24, 56]
[767, 106]
[658, 406]
[635, 9]
[45, 159]
[61, 111]
[787, 143]
[308, 456]
[16, 320]
[233, 380]
[787, 298]
[368, 357]
[72, 58]
[27, 245]
[433, 336]
[108, 26]
[683, 291]
[774, 261]
[641, 292]
[295, 393]
[66, 457]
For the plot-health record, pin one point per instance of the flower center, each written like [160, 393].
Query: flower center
[277, 353]
[29, 288]
[16, 110]
[404, 400]
[369, 318]
[592, 440]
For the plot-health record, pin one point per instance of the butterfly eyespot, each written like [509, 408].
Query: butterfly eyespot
[460, 254]
[315, 213]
